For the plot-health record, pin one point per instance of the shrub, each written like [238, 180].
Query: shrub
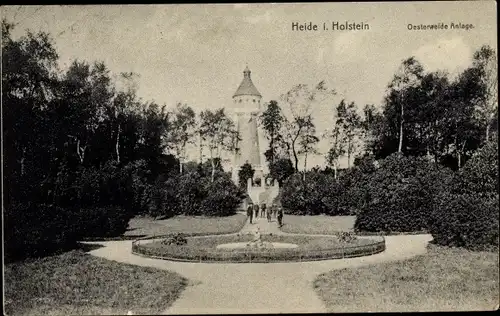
[109, 221]
[480, 173]
[346, 237]
[354, 184]
[246, 172]
[468, 215]
[281, 169]
[400, 194]
[465, 220]
[222, 199]
[36, 230]
[189, 193]
[177, 240]
[309, 196]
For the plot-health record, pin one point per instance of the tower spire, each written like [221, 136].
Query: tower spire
[246, 72]
[246, 87]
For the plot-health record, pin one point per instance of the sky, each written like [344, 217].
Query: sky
[196, 54]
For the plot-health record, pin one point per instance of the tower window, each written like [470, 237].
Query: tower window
[253, 100]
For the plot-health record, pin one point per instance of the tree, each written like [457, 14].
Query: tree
[409, 75]
[307, 141]
[29, 82]
[219, 132]
[336, 150]
[485, 61]
[272, 121]
[281, 169]
[461, 130]
[246, 172]
[183, 131]
[89, 93]
[300, 100]
[123, 105]
[350, 122]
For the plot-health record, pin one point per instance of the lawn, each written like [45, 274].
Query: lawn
[309, 248]
[146, 226]
[303, 242]
[77, 283]
[445, 279]
[317, 224]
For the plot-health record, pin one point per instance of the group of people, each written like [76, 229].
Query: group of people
[254, 211]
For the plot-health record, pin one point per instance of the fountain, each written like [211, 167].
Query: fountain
[257, 243]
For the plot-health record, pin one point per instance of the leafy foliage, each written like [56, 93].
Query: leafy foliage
[246, 172]
[82, 148]
[400, 195]
[272, 122]
[176, 240]
[308, 197]
[222, 199]
[467, 216]
[281, 169]
[479, 176]
[465, 220]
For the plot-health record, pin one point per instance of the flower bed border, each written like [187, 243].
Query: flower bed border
[252, 256]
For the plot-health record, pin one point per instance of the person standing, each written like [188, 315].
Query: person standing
[268, 214]
[256, 210]
[275, 210]
[263, 210]
[250, 211]
[280, 216]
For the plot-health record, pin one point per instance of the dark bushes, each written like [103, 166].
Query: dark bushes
[109, 221]
[37, 230]
[400, 195]
[467, 216]
[193, 194]
[222, 197]
[312, 196]
[464, 220]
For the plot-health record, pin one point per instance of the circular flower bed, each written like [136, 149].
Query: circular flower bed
[310, 247]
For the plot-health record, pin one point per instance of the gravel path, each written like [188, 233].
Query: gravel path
[257, 287]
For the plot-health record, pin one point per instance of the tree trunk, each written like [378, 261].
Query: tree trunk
[80, 151]
[117, 145]
[200, 145]
[271, 146]
[349, 154]
[213, 169]
[305, 166]
[487, 131]
[400, 147]
[23, 158]
[335, 171]
[180, 166]
[296, 159]
[460, 154]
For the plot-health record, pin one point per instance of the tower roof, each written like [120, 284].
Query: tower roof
[246, 86]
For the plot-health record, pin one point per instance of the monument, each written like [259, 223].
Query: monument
[247, 108]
